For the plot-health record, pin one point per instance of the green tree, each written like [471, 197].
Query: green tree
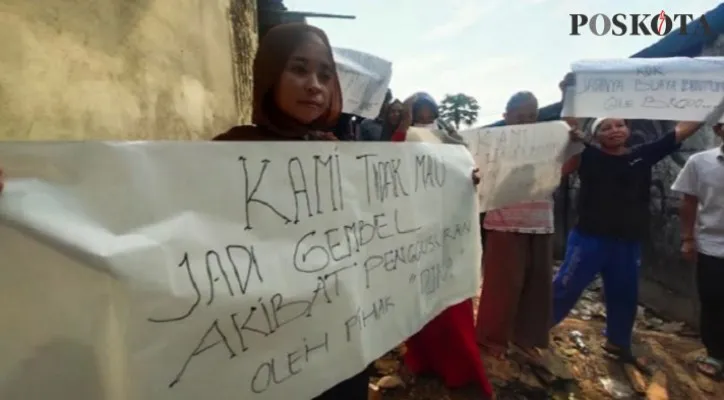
[460, 108]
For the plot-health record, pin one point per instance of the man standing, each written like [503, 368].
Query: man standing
[371, 129]
[701, 182]
[515, 305]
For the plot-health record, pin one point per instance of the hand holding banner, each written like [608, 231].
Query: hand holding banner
[154, 271]
[675, 89]
[519, 162]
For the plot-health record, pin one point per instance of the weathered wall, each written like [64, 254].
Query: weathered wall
[118, 69]
[246, 40]
[667, 283]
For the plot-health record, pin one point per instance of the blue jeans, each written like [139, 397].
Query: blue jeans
[618, 262]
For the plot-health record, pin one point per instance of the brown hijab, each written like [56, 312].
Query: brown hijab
[271, 59]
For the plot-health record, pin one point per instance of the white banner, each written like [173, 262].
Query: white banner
[519, 162]
[677, 89]
[186, 271]
[364, 79]
[425, 135]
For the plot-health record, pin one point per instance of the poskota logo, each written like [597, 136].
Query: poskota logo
[659, 24]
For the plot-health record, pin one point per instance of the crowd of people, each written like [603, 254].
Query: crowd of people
[297, 97]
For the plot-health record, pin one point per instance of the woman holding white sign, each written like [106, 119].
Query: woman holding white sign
[612, 221]
[297, 96]
[515, 304]
[446, 346]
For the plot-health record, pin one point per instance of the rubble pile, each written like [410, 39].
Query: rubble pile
[581, 370]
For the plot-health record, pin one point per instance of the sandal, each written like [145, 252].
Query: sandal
[626, 356]
[710, 367]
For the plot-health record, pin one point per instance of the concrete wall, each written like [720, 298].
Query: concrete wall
[245, 26]
[117, 69]
[667, 284]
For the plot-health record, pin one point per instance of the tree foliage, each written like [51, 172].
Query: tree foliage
[457, 109]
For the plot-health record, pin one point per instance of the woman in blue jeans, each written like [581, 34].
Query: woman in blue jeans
[613, 208]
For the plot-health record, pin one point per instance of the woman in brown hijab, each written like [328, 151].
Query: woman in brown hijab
[297, 97]
[296, 89]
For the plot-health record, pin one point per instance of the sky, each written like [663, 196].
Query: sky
[488, 49]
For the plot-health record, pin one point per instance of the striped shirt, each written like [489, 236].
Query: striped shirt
[530, 217]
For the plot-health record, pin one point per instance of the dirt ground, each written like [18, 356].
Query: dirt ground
[672, 347]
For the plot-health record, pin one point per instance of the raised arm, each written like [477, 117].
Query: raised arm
[655, 151]
[685, 129]
[576, 136]
[568, 80]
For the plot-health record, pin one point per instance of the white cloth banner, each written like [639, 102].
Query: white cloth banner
[186, 271]
[520, 162]
[677, 89]
[364, 79]
[425, 135]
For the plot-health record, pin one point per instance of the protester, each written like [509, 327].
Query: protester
[701, 182]
[372, 129]
[446, 346]
[297, 96]
[612, 221]
[424, 110]
[393, 120]
[423, 113]
[515, 305]
[400, 134]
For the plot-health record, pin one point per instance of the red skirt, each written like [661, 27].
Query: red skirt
[398, 136]
[446, 346]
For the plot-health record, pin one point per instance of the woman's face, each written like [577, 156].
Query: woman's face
[425, 114]
[304, 88]
[394, 114]
[613, 133]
